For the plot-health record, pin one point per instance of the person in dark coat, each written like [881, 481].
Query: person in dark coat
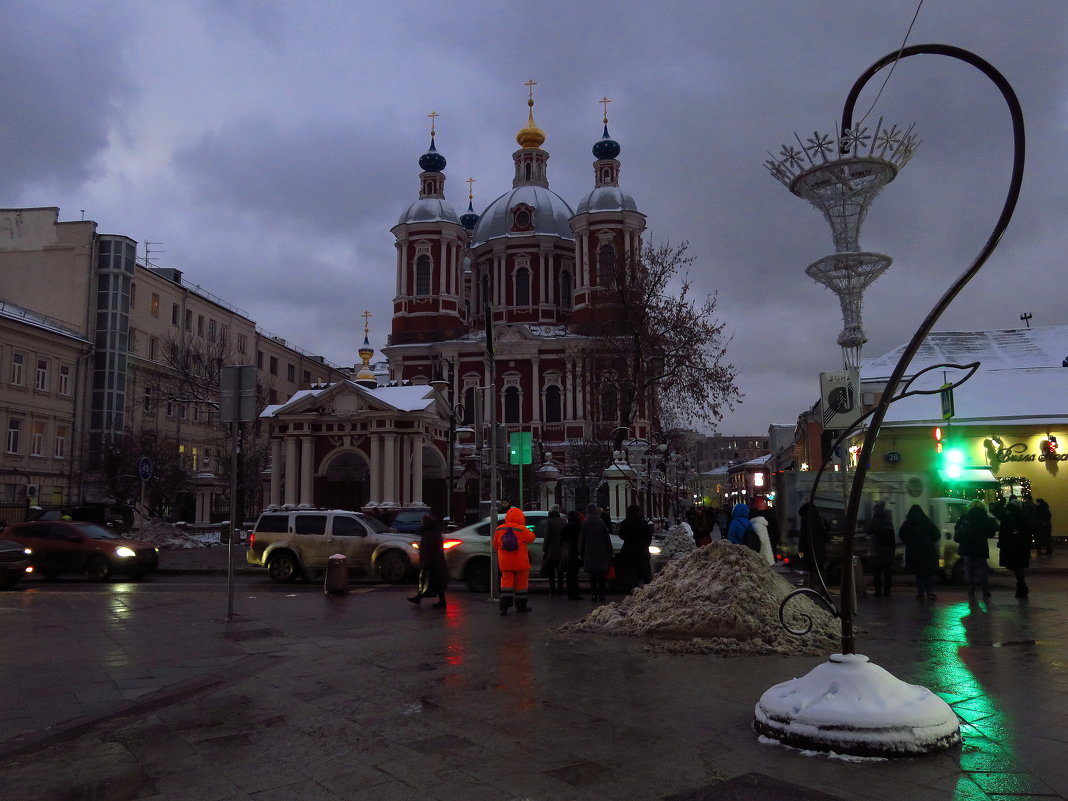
[920, 535]
[882, 545]
[1015, 545]
[1043, 529]
[595, 545]
[552, 566]
[972, 534]
[812, 540]
[432, 561]
[570, 558]
[637, 536]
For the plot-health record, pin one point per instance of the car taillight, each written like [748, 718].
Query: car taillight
[447, 544]
[251, 538]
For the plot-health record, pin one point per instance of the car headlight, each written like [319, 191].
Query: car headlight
[124, 552]
[27, 551]
[654, 550]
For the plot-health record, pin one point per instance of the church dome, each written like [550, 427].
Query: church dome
[432, 160]
[469, 219]
[551, 215]
[606, 147]
[429, 209]
[606, 198]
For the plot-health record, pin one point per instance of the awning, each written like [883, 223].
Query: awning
[968, 475]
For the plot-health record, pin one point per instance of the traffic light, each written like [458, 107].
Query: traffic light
[950, 459]
[938, 439]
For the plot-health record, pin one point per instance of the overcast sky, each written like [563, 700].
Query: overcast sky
[270, 147]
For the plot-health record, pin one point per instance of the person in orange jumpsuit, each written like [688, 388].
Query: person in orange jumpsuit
[514, 564]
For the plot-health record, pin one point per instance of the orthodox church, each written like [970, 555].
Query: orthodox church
[486, 327]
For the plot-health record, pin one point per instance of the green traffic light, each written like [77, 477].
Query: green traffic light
[953, 461]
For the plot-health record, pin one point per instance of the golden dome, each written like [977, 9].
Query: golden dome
[532, 135]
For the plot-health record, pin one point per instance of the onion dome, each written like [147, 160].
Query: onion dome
[469, 219]
[551, 215]
[606, 147]
[532, 136]
[432, 160]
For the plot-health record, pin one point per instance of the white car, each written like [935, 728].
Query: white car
[467, 551]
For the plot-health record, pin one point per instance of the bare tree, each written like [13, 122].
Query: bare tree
[662, 350]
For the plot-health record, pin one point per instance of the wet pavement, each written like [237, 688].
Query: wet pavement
[145, 691]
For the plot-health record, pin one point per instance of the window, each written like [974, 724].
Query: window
[182, 410]
[133, 296]
[176, 312]
[154, 306]
[259, 360]
[274, 365]
[64, 379]
[553, 406]
[14, 435]
[565, 290]
[307, 377]
[291, 373]
[41, 382]
[196, 412]
[18, 369]
[153, 348]
[131, 342]
[309, 524]
[606, 264]
[511, 405]
[170, 408]
[212, 330]
[242, 343]
[522, 287]
[37, 435]
[188, 319]
[470, 405]
[146, 403]
[61, 443]
[422, 275]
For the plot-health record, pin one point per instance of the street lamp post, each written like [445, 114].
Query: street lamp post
[794, 712]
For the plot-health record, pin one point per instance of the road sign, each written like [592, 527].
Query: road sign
[947, 401]
[520, 447]
[144, 468]
[238, 396]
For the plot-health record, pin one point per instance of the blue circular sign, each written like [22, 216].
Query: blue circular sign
[144, 468]
[893, 457]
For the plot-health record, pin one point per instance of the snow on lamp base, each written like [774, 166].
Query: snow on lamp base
[850, 706]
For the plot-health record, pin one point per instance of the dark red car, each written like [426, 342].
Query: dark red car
[67, 546]
[14, 563]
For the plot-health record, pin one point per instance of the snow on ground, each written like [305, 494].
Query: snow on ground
[171, 537]
[722, 599]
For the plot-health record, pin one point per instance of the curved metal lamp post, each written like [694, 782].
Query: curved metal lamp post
[902, 719]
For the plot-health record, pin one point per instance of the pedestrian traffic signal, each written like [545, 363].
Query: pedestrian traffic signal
[938, 439]
[952, 463]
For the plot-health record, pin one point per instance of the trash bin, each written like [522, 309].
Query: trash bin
[859, 586]
[337, 574]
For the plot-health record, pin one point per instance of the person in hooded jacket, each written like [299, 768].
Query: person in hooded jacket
[637, 536]
[972, 534]
[514, 565]
[1014, 542]
[758, 518]
[595, 545]
[882, 544]
[740, 525]
[920, 535]
[1044, 529]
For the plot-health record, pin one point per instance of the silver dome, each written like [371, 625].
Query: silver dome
[607, 198]
[429, 209]
[551, 216]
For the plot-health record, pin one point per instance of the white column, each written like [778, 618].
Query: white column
[292, 469]
[276, 471]
[375, 455]
[389, 471]
[535, 377]
[307, 469]
[417, 470]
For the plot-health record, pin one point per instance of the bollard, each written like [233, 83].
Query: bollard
[337, 574]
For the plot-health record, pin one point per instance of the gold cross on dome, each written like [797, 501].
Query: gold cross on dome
[530, 88]
[604, 101]
[366, 316]
[470, 189]
[433, 120]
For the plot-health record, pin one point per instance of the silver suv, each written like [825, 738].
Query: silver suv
[297, 542]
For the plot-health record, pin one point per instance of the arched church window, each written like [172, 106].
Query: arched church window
[511, 405]
[529, 170]
[565, 290]
[470, 407]
[609, 405]
[606, 263]
[522, 287]
[422, 275]
[553, 406]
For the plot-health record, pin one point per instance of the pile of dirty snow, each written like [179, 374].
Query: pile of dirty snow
[721, 599]
[169, 536]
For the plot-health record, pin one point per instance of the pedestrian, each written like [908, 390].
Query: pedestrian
[1044, 528]
[882, 545]
[570, 556]
[758, 519]
[740, 531]
[920, 535]
[552, 566]
[595, 545]
[637, 536]
[434, 572]
[1014, 545]
[510, 540]
[972, 534]
[812, 539]
[723, 521]
[1029, 516]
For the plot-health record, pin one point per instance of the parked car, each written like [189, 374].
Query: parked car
[297, 543]
[77, 547]
[467, 551]
[408, 520]
[14, 563]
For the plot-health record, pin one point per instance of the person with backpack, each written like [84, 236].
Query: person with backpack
[510, 540]
[972, 534]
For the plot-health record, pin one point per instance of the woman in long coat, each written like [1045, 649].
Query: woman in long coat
[595, 545]
[637, 536]
[882, 542]
[432, 560]
[1014, 544]
[570, 556]
[920, 536]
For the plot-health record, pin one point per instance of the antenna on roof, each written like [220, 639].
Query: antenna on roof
[1026, 317]
[149, 253]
